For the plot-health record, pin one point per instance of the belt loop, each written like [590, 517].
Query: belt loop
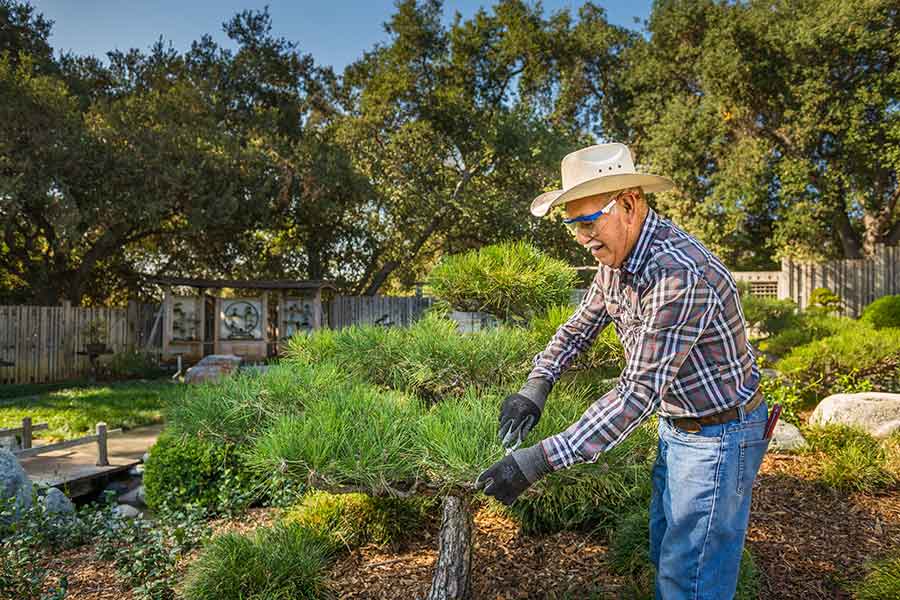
[741, 413]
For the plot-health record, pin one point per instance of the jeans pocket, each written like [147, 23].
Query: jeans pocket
[751, 456]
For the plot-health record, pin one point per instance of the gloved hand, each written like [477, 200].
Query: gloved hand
[507, 478]
[520, 412]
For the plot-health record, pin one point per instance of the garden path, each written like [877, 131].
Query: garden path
[75, 469]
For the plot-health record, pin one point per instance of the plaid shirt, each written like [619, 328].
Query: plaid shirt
[678, 315]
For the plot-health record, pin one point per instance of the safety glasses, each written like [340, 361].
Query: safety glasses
[585, 223]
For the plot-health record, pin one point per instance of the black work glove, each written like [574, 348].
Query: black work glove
[507, 478]
[521, 411]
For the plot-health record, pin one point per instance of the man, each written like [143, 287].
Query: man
[677, 312]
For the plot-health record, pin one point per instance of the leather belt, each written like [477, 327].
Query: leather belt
[693, 424]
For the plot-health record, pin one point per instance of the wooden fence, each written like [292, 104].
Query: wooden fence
[42, 344]
[857, 281]
[345, 311]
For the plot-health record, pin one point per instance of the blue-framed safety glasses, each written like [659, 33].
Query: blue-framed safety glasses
[585, 223]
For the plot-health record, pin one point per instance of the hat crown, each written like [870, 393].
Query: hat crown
[596, 161]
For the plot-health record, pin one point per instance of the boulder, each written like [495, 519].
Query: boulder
[876, 412]
[127, 512]
[212, 368]
[14, 484]
[56, 503]
[134, 498]
[786, 438]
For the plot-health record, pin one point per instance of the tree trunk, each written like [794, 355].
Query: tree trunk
[453, 571]
[850, 242]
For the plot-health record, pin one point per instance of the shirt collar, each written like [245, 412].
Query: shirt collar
[641, 251]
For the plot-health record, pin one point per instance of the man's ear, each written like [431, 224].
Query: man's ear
[630, 205]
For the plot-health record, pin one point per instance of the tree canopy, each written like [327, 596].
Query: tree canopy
[779, 123]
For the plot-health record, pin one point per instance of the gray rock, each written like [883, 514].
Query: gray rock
[770, 373]
[786, 438]
[14, 484]
[9, 443]
[127, 512]
[118, 487]
[876, 412]
[56, 503]
[212, 368]
[134, 498]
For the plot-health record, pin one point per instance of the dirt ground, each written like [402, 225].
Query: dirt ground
[807, 541]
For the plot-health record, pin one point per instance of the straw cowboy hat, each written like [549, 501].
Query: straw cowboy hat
[595, 170]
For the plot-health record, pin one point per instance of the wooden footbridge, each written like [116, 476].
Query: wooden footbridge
[83, 465]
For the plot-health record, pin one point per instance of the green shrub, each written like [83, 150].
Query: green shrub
[513, 281]
[284, 562]
[881, 582]
[857, 468]
[884, 312]
[133, 364]
[351, 520]
[807, 327]
[241, 406]
[780, 391]
[768, 315]
[873, 354]
[590, 496]
[824, 299]
[191, 470]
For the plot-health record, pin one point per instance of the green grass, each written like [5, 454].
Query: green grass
[75, 411]
[283, 562]
[881, 582]
[852, 460]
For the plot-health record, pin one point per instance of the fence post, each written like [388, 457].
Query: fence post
[102, 456]
[26, 433]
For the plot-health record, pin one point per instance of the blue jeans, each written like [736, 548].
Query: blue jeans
[701, 504]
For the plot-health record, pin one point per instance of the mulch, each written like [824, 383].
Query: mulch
[808, 542]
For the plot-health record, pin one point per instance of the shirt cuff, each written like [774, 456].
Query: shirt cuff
[559, 452]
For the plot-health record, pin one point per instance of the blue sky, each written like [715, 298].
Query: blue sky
[335, 32]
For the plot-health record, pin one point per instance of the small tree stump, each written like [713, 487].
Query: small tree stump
[453, 569]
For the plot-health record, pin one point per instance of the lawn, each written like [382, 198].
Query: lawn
[74, 411]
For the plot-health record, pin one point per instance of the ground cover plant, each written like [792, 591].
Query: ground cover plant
[74, 411]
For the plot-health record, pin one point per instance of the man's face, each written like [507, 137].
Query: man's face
[613, 234]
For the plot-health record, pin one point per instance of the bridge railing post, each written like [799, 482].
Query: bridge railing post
[102, 455]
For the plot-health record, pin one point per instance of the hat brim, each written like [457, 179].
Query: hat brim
[541, 205]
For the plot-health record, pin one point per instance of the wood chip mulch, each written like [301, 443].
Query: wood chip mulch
[506, 566]
[808, 541]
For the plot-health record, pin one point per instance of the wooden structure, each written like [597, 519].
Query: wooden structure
[41, 344]
[252, 325]
[75, 469]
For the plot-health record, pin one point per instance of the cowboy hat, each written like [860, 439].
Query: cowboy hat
[595, 170]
